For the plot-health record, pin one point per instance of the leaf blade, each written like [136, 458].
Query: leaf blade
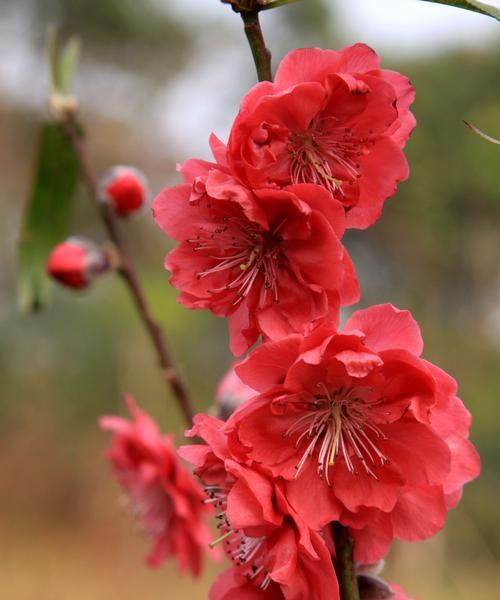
[68, 63]
[47, 213]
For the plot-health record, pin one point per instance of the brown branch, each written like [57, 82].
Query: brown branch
[344, 563]
[249, 12]
[127, 271]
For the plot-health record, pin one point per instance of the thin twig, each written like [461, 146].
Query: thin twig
[129, 275]
[249, 12]
[344, 563]
[482, 134]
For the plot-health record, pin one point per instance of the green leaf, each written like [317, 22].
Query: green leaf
[474, 5]
[67, 64]
[267, 5]
[62, 61]
[52, 55]
[47, 213]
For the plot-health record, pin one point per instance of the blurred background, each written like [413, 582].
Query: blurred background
[156, 78]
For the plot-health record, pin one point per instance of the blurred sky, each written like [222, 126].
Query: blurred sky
[402, 25]
[394, 28]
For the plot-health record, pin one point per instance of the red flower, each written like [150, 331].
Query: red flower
[331, 118]
[420, 511]
[164, 495]
[270, 544]
[359, 420]
[270, 261]
[233, 585]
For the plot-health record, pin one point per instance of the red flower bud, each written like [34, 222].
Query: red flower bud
[124, 189]
[75, 262]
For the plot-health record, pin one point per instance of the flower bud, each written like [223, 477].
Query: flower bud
[231, 393]
[75, 262]
[124, 189]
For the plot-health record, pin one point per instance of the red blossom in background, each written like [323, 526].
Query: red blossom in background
[374, 435]
[162, 492]
[270, 543]
[271, 261]
[333, 118]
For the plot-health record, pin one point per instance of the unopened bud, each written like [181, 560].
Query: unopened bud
[370, 568]
[124, 189]
[373, 588]
[231, 393]
[76, 262]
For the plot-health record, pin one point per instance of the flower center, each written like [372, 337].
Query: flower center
[244, 252]
[326, 155]
[339, 423]
[247, 553]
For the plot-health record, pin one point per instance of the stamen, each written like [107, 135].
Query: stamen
[248, 553]
[220, 539]
[243, 252]
[326, 154]
[338, 423]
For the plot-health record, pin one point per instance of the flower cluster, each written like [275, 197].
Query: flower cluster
[320, 425]
[260, 229]
[347, 426]
[357, 416]
[271, 545]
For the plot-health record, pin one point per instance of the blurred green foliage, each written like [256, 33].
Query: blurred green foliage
[47, 213]
[435, 251]
[121, 31]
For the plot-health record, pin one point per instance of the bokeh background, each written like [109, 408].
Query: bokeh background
[156, 78]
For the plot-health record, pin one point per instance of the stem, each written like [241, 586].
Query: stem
[344, 563]
[261, 54]
[127, 271]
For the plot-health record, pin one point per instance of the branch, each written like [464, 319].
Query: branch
[344, 563]
[261, 54]
[249, 11]
[127, 271]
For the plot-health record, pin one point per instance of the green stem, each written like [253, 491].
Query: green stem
[344, 563]
[261, 54]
